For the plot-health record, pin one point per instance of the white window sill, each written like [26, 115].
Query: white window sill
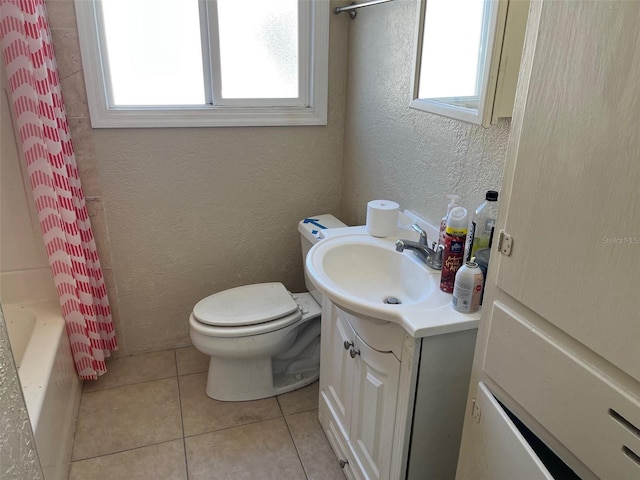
[208, 117]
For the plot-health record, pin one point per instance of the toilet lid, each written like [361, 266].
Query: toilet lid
[246, 305]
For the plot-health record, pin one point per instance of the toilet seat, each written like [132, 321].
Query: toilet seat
[246, 305]
[246, 310]
[247, 330]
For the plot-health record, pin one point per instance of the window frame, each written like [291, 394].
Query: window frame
[494, 17]
[309, 109]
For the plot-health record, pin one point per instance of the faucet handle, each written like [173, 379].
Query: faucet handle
[438, 251]
[423, 234]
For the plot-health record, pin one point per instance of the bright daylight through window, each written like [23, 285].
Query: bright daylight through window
[205, 63]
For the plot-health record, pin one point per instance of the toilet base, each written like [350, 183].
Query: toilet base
[260, 381]
[262, 365]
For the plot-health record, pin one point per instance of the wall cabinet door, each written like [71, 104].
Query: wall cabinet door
[574, 214]
[375, 394]
[495, 449]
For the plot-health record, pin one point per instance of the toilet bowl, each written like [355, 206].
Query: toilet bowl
[262, 339]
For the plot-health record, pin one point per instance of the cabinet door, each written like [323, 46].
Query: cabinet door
[574, 213]
[375, 393]
[494, 448]
[337, 365]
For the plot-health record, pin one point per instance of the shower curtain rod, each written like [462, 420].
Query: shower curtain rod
[354, 6]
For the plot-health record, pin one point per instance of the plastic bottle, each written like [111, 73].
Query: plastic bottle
[484, 221]
[453, 202]
[482, 256]
[454, 243]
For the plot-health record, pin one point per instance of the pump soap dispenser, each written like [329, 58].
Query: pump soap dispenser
[453, 202]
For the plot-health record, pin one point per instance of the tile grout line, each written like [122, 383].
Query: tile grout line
[184, 442]
[279, 405]
[83, 392]
[175, 359]
[183, 437]
[233, 426]
[75, 427]
[124, 451]
[127, 385]
[284, 417]
[304, 469]
[134, 383]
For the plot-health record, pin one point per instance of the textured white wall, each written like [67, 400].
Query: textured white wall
[194, 211]
[397, 153]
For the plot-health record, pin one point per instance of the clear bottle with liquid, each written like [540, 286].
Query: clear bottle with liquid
[483, 224]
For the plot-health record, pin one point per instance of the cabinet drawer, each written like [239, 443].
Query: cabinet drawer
[593, 417]
[380, 335]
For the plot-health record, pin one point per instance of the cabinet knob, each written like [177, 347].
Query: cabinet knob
[354, 352]
[343, 463]
[347, 344]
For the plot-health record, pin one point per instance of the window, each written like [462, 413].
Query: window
[162, 63]
[457, 46]
[454, 74]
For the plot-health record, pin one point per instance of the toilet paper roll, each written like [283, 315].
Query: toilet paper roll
[382, 218]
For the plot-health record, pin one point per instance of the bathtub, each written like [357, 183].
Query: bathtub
[49, 381]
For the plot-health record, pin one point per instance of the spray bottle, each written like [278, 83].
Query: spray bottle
[454, 243]
[453, 202]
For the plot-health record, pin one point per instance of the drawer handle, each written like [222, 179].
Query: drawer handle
[353, 353]
[347, 344]
[631, 455]
[343, 463]
[624, 422]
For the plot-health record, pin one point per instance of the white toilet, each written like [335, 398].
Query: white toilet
[263, 340]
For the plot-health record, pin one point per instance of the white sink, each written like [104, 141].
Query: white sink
[359, 272]
[364, 269]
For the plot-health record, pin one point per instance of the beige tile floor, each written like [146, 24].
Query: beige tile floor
[148, 417]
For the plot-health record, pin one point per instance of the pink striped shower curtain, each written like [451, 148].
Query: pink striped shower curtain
[27, 51]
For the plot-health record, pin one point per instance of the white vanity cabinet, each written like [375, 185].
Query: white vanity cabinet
[383, 420]
[361, 393]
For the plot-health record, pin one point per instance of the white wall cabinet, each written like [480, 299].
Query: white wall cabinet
[559, 338]
[383, 420]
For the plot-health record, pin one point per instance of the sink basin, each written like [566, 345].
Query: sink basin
[366, 276]
[375, 273]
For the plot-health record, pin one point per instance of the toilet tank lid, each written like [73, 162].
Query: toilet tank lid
[246, 305]
[311, 226]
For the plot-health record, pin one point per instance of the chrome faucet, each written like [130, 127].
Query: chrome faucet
[432, 256]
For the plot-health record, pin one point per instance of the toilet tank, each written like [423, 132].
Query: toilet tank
[310, 229]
